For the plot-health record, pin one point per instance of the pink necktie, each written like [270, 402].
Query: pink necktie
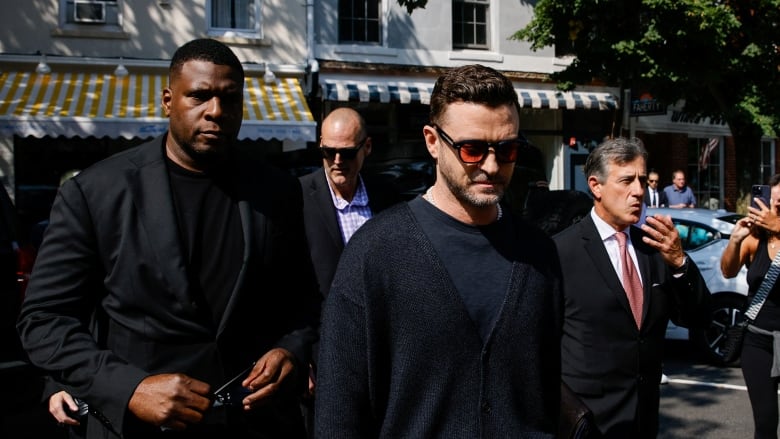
[631, 282]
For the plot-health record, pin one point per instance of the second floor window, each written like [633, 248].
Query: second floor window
[359, 21]
[241, 17]
[470, 24]
[92, 12]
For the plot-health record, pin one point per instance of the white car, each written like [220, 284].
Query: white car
[705, 234]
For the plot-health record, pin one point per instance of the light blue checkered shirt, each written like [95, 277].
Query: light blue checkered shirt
[351, 215]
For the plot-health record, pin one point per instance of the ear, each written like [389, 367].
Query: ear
[367, 147]
[431, 141]
[595, 187]
[165, 101]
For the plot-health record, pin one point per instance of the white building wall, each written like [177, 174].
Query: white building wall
[151, 30]
[424, 38]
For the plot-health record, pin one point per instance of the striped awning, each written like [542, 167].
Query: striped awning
[405, 92]
[84, 104]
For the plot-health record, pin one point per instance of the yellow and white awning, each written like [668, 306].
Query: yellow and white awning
[91, 104]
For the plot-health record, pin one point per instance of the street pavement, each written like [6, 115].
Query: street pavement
[702, 401]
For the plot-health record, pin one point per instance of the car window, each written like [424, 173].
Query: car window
[700, 236]
[694, 236]
[683, 230]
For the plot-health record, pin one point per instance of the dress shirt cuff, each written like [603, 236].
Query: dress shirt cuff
[682, 269]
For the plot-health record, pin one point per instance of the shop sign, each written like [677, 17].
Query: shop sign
[646, 105]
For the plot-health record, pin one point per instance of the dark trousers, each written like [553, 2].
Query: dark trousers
[756, 363]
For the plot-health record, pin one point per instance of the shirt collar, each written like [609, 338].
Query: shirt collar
[359, 200]
[605, 230]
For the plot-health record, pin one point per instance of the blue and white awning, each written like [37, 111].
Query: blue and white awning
[572, 100]
[403, 92]
[419, 91]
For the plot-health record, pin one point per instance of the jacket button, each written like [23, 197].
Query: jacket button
[485, 407]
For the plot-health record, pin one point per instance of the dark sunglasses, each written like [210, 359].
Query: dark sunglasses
[345, 153]
[474, 151]
[652, 181]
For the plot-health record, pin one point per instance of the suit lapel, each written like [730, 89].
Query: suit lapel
[323, 198]
[595, 248]
[245, 213]
[151, 193]
[643, 260]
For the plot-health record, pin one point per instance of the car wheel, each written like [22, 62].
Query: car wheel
[725, 310]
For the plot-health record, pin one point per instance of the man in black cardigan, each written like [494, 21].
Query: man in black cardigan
[443, 319]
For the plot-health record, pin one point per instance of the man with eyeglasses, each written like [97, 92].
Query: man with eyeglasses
[653, 196]
[444, 315]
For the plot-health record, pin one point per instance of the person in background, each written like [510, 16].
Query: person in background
[336, 202]
[336, 198]
[622, 282]
[178, 249]
[678, 194]
[654, 197]
[754, 243]
[443, 318]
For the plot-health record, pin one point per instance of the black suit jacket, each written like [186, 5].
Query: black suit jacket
[113, 245]
[611, 364]
[663, 201]
[322, 224]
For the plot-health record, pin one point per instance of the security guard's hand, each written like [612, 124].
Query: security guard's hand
[172, 401]
[268, 375]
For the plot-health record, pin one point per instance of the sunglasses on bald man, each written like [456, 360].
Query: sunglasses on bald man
[346, 153]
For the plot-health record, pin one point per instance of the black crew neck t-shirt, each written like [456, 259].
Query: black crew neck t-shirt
[210, 234]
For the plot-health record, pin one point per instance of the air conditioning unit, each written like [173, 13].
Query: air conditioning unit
[85, 11]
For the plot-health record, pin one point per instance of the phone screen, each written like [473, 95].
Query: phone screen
[759, 191]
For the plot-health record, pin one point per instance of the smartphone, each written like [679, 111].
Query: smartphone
[759, 191]
[232, 392]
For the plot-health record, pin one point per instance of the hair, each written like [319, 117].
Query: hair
[205, 49]
[619, 150]
[774, 180]
[472, 83]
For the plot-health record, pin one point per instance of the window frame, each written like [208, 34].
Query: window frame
[463, 44]
[255, 32]
[708, 181]
[379, 20]
[71, 27]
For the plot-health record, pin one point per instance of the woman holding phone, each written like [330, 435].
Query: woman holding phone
[754, 242]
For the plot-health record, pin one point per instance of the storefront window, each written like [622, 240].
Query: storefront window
[705, 171]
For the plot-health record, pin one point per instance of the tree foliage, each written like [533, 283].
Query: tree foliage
[411, 5]
[722, 57]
